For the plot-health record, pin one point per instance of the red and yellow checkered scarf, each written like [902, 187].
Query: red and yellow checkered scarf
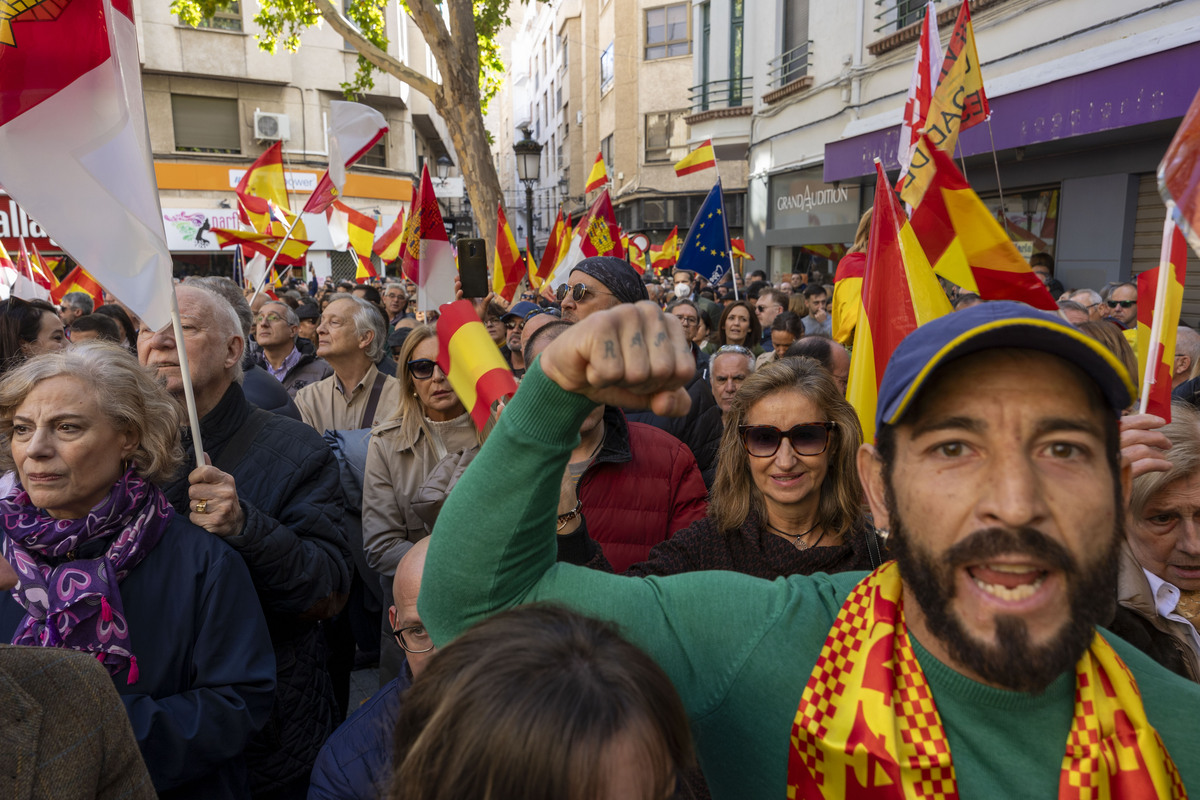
[867, 725]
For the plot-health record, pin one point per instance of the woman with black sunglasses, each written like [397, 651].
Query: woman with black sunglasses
[786, 499]
[429, 423]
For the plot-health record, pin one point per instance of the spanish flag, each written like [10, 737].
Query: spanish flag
[43, 275]
[292, 254]
[353, 229]
[477, 372]
[262, 185]
[389, 246]
[663, 256]
[1159, 401]
[965, 244]
[78, 280]
[702, 157]
[556, 248]
[507, 266]
[900, 292]
[959, 102]
[739, 249]
[847, 296]
[598, 176]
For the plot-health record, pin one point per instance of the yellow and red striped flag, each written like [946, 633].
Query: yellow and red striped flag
[78, 280]
[506, 265]
[473, 364]
[663, 256]
[389, 246]
[598, 176]
[1159, 398]
[355, 230]
[429, 259]
[597, 235]
[959, 102]
[900, 292]
[738, 246]
[965, 244]
[292, 255]
[702, 157]
[42, 274]
[556, 248]
[262, 185]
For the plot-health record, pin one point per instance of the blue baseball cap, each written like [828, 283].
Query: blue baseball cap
[997, 324]
[520, 309]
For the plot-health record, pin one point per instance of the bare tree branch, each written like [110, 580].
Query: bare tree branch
[388, 63]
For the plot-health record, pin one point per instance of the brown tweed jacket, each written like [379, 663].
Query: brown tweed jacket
[63, 729]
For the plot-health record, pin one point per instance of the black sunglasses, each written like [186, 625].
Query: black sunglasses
[809, 439]
[578, 292]
[1122, 303]
[421, 368]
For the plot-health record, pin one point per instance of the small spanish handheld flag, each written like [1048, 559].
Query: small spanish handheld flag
[507, 266]
[78, 280]
[1159, 399]
[477, 372]
[389, 246]
[702, 157]
[292, 253]
[598, 176]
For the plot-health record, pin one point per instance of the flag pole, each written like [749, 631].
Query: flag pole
[189, 394]
[286, 234]
[1160, 306]
[999, 188]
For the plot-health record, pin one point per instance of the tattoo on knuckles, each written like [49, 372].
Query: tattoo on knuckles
[660, 338]
[636, 341]
[610, 349]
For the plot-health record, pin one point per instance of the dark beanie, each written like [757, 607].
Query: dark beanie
[617, 276]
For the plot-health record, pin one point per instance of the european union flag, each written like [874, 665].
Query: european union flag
[706, 249]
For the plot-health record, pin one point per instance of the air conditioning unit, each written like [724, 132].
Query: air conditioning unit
[271, 127]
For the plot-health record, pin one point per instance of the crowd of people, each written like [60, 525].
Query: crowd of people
[669, 566]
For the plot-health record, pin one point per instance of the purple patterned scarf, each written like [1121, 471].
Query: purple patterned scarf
[77, 604]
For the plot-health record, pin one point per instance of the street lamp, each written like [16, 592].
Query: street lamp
[529, 164]
[443, 168]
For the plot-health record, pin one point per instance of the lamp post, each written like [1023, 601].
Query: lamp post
[443, 168]
[529, 164]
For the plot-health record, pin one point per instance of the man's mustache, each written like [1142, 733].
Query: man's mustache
[991, 542]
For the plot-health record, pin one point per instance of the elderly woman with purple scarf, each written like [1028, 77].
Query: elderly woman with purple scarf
[105, 565]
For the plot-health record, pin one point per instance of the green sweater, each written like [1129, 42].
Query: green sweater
[738, 649]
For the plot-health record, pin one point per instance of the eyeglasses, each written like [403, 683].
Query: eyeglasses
[270, 319]
[413, 639]
[689, 321]
[512, 324]
[809, 439]
[764, 308]
[421, 368]
[578, 292]
[1122, 303]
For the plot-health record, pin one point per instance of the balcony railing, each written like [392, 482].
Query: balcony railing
[790, 66]
[892, 15]
[721, 94]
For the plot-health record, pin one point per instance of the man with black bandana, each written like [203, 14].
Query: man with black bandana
[970, 667]
[603, 282]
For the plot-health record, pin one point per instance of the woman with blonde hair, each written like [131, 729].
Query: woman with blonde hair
[429, 424]
[107, 567]
[786, 499]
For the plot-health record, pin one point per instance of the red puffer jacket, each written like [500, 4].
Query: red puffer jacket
[642, 487]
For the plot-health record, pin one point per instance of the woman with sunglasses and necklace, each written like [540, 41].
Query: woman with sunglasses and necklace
[429, 423]
[786, 500]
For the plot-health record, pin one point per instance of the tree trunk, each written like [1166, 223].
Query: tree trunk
[469, 136]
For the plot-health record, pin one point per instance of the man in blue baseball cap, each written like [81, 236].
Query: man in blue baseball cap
[514, 323]
[971, 666]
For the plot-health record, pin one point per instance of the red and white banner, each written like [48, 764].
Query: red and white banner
[926, 65]
[353, 130]
[74, 148]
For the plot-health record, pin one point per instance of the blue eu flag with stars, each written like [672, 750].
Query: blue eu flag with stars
[706, 249]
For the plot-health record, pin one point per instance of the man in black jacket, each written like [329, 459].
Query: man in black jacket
[272, 492]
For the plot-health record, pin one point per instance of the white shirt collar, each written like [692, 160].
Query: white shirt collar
[1166, 598]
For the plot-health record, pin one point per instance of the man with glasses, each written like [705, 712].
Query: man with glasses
[514, 323]
[395, 303]
[1122, 305]
[770, 302]
[689, 317]
[598, 283]
[276, 327]
[1092, 303]
[351, 338]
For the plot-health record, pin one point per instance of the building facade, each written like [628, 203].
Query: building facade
[615, 78]
[1085, 96]
[215, 102]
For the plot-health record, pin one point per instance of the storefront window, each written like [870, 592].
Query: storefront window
[1030, 217]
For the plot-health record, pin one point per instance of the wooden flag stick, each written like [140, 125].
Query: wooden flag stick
[189, 394]
[1160, 306]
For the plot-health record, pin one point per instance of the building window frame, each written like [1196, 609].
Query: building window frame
[225, 19]
[607, 68]
[669, 145]
[660, 18]
[203, 124]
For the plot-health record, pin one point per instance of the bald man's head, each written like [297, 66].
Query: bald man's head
[406, 585]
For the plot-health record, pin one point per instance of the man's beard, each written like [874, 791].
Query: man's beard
[1013, 662]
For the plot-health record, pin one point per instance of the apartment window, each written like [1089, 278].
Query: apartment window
[909, 12]
[558, 98]
[376, 156]
[205, 124]
[606, 67]
[667, 31]
[737, 26]
[666, 136]
[562, 48]
[558, 164]
[225, 19]
[794, 61]
[606, 152]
